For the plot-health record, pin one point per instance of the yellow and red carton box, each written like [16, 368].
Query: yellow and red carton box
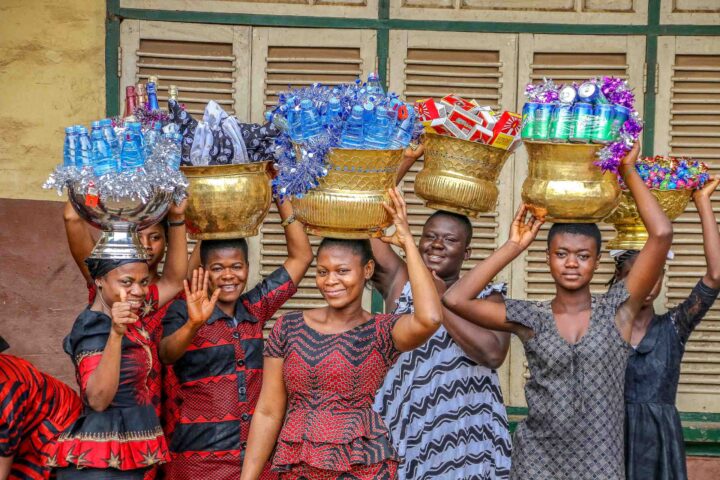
[506, 130]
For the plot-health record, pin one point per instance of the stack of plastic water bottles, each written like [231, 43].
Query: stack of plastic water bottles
[110, 150]
[320, 118]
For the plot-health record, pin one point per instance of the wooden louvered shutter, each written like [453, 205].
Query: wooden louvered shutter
[283, 57]
[472, 65]
[688, 108]
[565, 58]
[206, 62]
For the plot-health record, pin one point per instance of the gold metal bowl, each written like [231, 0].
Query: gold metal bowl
[565, 185]
[348, 201]
[227, 201]
[631, 232]
[459, 175]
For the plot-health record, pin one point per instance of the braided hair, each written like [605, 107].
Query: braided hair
[621, 260]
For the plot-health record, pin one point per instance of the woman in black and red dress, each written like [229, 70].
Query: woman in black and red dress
[113, 345]
[323, 367]
[34, 409]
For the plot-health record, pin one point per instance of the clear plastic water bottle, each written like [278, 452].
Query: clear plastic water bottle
[373, 86]
[309, 120]
[368, 117]
[138, 137]
[152, 137]
[403, 134]
[110, 136]
[352, 134]
[174, 160]
[294, 123]
[377, 137]
[334, 110]
[102, 158]
[131, 155]
[83, 154]
[70, 147]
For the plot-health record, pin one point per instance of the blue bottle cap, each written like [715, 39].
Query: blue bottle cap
[69, 130]
[95, 124]
[306, 104]
[106, 122]
[81, 129]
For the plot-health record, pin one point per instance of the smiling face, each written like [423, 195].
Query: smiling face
[132, 277]
[229, 272]
[154, 241]
[341, 276]
[573, 260]
[444, 246]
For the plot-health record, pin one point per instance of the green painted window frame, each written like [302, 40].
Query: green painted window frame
[701, 430]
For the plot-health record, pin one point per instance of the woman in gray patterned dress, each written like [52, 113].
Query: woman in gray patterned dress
[576, 344]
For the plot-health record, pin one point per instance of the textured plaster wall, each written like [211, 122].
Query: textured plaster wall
[52, 74]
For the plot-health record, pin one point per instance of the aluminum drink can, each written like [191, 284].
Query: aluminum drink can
[589, 92]
[528, 120]
[602, 128]
[541, 130]
[561, 123]
[567, 94]
[582, 123]
[620, 116]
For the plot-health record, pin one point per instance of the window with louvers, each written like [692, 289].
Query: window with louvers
[285, 58]
[688, 111]
[562, 59]
[474, 66]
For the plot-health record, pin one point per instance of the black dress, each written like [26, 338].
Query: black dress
[654, 446]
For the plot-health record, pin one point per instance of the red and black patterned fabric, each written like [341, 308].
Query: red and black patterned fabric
[127, 435]
[331, 430]
[220, 376]
[167, 387]
[34, 409]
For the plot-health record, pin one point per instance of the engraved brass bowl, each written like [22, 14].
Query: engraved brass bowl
[459, 175]
[347, 203]
[227, 201]
[566, 186]
[631, 232]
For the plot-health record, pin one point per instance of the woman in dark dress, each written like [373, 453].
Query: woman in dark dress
[654, 446]
[323, 367]
[113, 345]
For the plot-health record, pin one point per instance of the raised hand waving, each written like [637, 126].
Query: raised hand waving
[398, 211]
[199, 306]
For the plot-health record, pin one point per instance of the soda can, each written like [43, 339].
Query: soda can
[567, 94]
[589, 92]
[541, 130]
[528, 120]
[620, 116]
[602, 129]
[582, 123]
[561, 122]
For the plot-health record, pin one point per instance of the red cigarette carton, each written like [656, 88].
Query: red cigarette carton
[480, 134]
[465, 121]
[508, 123]
[443, 126]
[427, 109]
[457, 101]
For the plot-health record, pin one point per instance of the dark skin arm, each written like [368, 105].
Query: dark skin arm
[409, 158]
[650, 263]
[461, 298]
[300, 254]
[711, 236]
[267, 419]
[5, 466]
[176, 258]
[80, 240]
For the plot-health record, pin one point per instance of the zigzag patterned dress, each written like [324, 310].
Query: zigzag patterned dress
[331, 431]
[444, 411]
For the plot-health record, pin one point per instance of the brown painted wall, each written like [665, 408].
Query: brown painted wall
[703, 468]
[41, 289]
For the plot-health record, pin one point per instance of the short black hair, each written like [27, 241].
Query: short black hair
[359, 247]
[463, 220]
[209, 246]
[585, 229]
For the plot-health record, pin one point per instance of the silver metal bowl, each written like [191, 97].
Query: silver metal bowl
[120, 221]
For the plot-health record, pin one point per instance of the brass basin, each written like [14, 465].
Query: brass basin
[631, 232]
[565, 185]
[459, 175]
[347, 203]
[227, 201]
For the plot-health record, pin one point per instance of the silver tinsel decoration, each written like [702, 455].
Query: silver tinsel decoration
[157, 173]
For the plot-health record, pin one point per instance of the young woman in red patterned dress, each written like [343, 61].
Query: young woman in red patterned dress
[323, 367]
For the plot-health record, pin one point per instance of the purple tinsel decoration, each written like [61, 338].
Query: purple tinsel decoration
[545, 92]
[617, 92]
